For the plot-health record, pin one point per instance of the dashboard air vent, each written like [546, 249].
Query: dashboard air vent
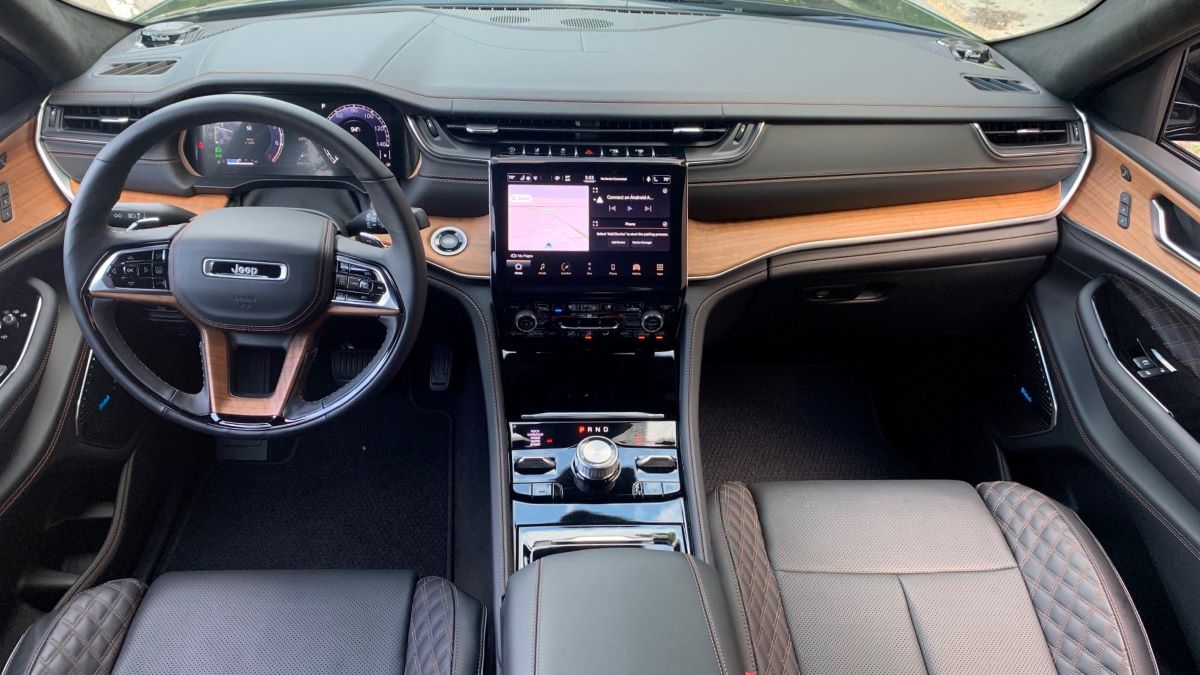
[1024, 134]
[495, 131]
[140, 68]
[100, 119]
[1000, 84]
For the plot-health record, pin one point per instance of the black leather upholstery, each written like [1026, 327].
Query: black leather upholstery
[920, 576]
[292, 621]
[618, 612]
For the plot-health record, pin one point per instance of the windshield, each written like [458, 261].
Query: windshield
[990, 20]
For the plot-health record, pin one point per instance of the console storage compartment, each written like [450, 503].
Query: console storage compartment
[610, 611]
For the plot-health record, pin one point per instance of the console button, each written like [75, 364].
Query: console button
[670, 487]
[562, 151]
[546, 491]
[657, 463]
[523, 489]
[531, 465]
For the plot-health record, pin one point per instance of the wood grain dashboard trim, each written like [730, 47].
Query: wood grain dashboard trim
[1095, 206]
[35, 197]
[197, 203]
[717, 248]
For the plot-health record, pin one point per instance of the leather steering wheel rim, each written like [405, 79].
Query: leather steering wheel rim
[90, 244]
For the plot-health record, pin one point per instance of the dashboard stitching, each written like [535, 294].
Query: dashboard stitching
[841, 176]
[360, 78]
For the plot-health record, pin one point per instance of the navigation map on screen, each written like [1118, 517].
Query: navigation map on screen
[548, 217]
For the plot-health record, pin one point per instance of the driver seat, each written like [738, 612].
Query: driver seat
[287, 621]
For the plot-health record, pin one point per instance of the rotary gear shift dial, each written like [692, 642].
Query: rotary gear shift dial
[597, 460]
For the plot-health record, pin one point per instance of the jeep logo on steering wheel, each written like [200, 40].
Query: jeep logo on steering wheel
[245, 269]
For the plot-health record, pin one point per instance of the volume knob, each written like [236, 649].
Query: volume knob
[597, 460]
[652, 321]
[525, 321]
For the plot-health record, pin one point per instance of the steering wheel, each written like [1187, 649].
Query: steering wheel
[263, 277]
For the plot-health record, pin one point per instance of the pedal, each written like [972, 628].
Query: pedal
[441, 367]
[348, 363]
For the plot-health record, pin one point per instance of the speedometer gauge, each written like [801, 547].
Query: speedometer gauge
[367, 126]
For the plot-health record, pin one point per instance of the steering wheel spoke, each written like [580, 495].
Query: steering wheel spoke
[219, 351]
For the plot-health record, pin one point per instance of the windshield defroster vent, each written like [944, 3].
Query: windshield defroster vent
[140, 68]
[495, 131]
[1000, 84]
[99, 119]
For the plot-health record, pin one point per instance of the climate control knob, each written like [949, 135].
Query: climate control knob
[525, 321]
[652, 321]
[597, 460]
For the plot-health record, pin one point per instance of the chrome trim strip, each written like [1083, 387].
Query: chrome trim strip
[1158, 224]
[87, 370]
[1112, 351]
[37, 312]
[617, 416]
[1037, 339]
[918, 234]
[61, 180]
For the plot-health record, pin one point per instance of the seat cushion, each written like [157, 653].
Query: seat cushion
[289, 621]
[920, 576]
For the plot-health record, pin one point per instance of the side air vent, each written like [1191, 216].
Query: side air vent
[1000, 84]
[140, 68]
[496, 131]
[99, 119]
[1024, 134]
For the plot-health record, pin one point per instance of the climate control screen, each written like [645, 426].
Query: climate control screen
[590, 223]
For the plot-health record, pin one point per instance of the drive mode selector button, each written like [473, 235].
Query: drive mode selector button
[596, 460]
[525, 321]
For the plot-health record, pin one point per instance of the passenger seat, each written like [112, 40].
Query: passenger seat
[919, 576]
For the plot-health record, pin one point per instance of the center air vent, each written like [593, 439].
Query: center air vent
[495, 131]
[140, 68]
[98, 119]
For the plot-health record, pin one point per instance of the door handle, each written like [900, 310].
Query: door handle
[1175, 230]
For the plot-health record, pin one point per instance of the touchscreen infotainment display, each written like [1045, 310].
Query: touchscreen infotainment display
[583, 224]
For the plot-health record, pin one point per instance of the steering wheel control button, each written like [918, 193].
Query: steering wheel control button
[139, 270]
[597, 460]
[356, 283]
[534, 465]
[448, 241]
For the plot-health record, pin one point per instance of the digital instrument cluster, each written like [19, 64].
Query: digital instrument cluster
[254, 149]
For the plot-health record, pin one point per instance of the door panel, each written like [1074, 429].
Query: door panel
[1096, 207]
[36, 200]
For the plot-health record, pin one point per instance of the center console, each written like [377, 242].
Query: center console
[587, 284]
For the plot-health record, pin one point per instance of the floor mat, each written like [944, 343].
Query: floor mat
[771, 423]
[369, 490]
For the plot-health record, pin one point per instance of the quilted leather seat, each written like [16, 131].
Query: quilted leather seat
[919, 577]
[294, 621]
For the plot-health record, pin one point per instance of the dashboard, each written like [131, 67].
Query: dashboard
[891, 138]
[233, 148]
